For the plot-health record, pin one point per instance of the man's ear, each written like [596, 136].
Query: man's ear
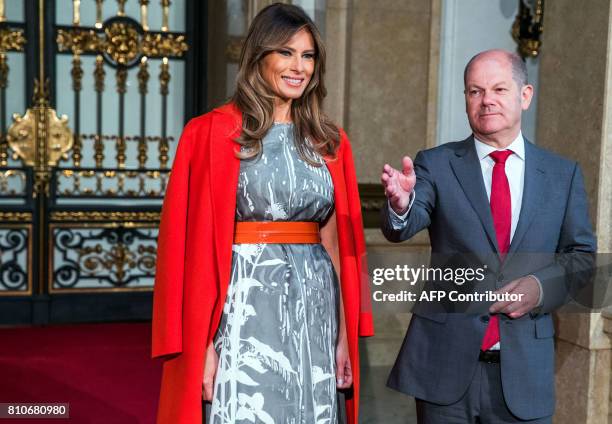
[526, 96]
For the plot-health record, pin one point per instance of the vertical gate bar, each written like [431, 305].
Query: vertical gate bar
[165, 15]
[50, 48]
[143, 79]
[144, 15]
[40, 203]
[195, 60]
[121, 7]
[41, 43]
[77, 76]
[30, 48]
[41, 198]
[99, 87]
[98, 24]
[164, 79]
[76, 12]
[4, 70]
[121, 76]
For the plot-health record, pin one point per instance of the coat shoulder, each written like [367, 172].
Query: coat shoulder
[552, 160]
[224, 121]
[195, 134]
[197, 125]
[446, 150]
[227, 114]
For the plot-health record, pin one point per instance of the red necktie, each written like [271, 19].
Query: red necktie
[501, 209]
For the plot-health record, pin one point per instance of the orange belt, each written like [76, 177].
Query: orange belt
[276, 232]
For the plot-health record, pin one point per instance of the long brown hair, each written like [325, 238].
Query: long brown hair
[313, 130]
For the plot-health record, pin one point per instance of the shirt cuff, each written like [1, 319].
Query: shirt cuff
[541, 297]
[399, 221]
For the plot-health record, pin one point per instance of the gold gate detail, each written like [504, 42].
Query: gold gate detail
[79, 205]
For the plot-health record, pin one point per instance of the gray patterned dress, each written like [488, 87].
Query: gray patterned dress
[277, 337]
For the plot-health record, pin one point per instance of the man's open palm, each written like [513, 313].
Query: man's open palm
[399, 185]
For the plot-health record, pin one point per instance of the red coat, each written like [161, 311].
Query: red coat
[194, 259]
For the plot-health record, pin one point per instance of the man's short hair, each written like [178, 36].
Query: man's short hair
[519, 69]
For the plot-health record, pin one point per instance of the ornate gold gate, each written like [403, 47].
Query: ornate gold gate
[98, 91]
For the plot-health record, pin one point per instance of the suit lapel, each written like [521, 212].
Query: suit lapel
[466, 167]
[533, 187]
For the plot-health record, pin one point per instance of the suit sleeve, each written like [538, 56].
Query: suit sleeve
[168, 290]
[422, 205]
[575, 262]
[366, 324]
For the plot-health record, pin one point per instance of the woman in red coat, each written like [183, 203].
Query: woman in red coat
[261, 287]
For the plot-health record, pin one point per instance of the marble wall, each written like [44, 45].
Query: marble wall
[337, 41]
[574, 58]
[388, 77]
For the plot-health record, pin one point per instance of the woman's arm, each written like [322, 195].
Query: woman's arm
[329, 240]
[210, 372]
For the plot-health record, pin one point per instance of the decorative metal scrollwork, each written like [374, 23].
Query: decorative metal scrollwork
[13, 259]
[123, 43]
[11, 39]
[163, 45]
[81, 216]
[26, 128]
[39, 137]
[15, 216]
[103, 258]
[79, 41]
[125, 183]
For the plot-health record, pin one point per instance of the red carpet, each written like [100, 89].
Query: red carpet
[103, 371]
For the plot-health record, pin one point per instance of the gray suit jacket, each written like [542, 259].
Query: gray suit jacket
[440, 351]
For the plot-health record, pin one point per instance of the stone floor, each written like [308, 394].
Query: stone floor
[379, 404]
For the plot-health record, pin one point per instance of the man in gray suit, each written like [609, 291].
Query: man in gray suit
[516, 208]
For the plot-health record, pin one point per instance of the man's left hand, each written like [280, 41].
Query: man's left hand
[528, 287]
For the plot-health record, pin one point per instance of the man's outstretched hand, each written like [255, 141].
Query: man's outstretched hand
[399, 185]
